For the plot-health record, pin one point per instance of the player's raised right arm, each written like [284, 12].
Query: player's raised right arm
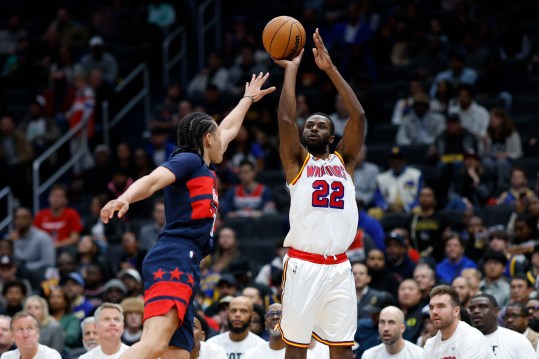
[291, 150]
[141, 189]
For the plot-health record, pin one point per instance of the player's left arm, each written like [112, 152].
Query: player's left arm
[354, 130]
[231, 124]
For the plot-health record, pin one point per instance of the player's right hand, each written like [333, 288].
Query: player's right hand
[116, 205]
[286, 63]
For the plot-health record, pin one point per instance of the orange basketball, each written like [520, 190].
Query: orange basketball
[283, 37]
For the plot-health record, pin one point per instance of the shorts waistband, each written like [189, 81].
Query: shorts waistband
[317, 258]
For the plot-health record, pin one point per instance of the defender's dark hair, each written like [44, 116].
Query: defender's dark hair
[191, 130]
[331, 124]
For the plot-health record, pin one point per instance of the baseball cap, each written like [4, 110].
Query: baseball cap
[96, 41]
[396, 152]
[6, 260]
[115, 283]
[379, 302]
[225, 301]
[228, 279]
[396, 237]
[132, 273]
[76, 277]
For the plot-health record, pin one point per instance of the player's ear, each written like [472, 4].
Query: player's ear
[331, 139]
[203, 335]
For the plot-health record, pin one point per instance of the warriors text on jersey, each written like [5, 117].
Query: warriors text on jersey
[323, 211]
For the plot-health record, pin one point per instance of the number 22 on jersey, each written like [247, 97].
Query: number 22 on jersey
[328, 195]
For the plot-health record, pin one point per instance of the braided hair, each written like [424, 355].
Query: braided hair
[191, 130]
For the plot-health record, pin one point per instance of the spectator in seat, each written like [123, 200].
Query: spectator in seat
[421, 126]
[398, 187]
[474, 117]
[403, 107]
[427, 226]
[248, 198]
[455, 260]
[494, 283]
[518, 189]
[456, 74]
[33, 248]
[61, 222]
[100, 59]
[50, 331]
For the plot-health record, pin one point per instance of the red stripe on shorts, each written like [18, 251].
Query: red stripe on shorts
[161, 307]
[168, 289]
[317, 258]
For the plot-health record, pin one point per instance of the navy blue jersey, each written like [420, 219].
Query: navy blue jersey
[191, 202]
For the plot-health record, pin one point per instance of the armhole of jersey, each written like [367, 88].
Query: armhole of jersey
[301, 170]
[342, 161]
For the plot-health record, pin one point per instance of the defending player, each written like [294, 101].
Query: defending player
[319, 295]
[171, 269]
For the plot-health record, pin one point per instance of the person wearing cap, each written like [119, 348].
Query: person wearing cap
[109, 324]
[115, 291]
[398, 261]
[455, 260]
[133, 311]
[399, 186]
[25, 332]
[421, 126]
[32, 246]
[73, 284]
[132, 281]
[494, 283]
[391, 326]
[473, 181]
[100, 59]
[505, 343]
[238, 339]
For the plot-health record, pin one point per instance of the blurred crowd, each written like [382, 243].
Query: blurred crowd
[447, 184]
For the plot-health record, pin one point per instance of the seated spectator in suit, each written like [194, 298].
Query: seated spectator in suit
[248, 198]
[398, 187]
[455, 260]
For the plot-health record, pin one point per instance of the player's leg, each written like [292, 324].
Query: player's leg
[156, 336]
[292, 352]
[339, 352]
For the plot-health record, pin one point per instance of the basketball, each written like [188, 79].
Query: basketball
[283, 37]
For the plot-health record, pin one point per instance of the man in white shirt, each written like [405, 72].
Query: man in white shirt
[505, 343]
[202, 349]
[473, 117]
[25, 332]
[239, 339]
[391, 327]
[455, 339]
[109, 319]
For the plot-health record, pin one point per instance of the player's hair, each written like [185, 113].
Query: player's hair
[191, 130]
[331, 124]
[445, 289]
[490, 298]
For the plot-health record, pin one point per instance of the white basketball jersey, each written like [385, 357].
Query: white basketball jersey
[323, 210]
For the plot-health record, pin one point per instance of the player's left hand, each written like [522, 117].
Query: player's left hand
[321, 54]
[116, 205]
[253, 88]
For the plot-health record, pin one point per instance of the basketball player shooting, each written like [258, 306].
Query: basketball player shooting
[319, 294]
